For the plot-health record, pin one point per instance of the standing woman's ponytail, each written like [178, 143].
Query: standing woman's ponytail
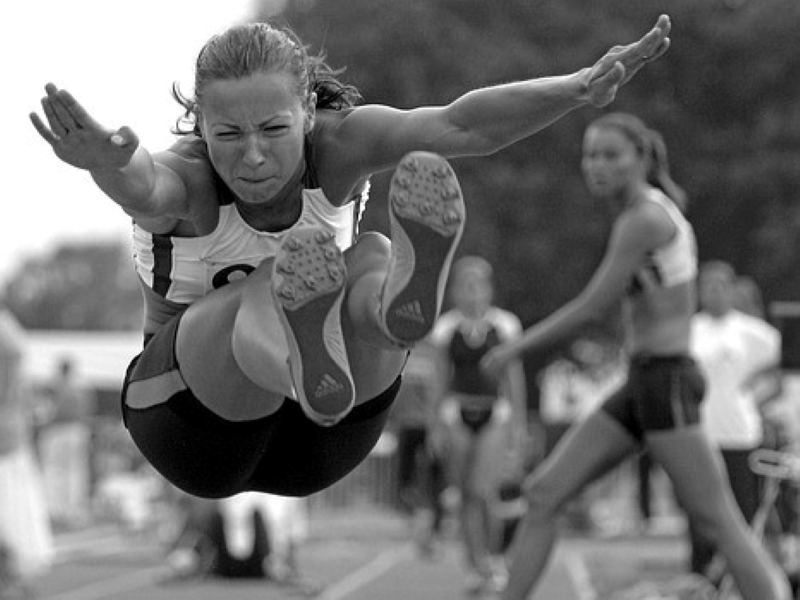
[658, 173]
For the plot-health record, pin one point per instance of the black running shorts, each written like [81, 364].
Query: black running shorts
[205, 455]
[661, 393]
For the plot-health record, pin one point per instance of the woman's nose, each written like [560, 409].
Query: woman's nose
[255, 150]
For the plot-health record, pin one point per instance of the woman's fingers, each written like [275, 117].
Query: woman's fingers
[43, 129]
[53, 119]
[655, 42]
[63, 112]
[60, 120]
[78, 115]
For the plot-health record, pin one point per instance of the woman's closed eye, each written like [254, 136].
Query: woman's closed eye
[227, 135]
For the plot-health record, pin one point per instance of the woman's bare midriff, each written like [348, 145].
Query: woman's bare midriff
[658, 322]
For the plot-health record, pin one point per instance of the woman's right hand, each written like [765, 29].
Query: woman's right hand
[77, 138]
[496, 360]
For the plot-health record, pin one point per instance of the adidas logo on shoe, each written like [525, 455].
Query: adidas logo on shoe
[411, 312]
[308, 287]
[427, 217]
[328, 385]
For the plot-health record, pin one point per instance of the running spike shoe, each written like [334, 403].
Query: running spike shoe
[427, 218]
[308, 286]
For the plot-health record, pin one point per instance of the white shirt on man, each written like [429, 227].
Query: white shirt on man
[730, 350]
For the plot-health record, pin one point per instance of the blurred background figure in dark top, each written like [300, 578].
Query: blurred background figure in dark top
[485, 419]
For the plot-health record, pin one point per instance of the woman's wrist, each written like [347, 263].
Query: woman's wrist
[580, 84]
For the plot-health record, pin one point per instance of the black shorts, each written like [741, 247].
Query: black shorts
[661, 393]
[205, 455]
[476, 419]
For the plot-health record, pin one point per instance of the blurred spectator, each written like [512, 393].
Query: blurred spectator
[782, 420]
[26, 543]
[64, 445]
[485, 419]
[420, 477]
[249, 535]
[784, 413]
[129, 491]
[286, 522]
[570, 387]
[574, 384]
[735, 350]
[748, 298]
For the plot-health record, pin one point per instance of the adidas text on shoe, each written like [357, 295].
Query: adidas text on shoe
[308, 286]
[427, 217]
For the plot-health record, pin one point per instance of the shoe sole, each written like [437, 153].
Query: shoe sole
[308, 286]
[427, 217]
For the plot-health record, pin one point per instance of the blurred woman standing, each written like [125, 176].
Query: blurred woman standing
[26, 542]
[734, 350]
[650, 270]
[485, 418]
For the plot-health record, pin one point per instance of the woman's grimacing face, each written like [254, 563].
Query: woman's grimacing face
[254, 128]
[610, 162]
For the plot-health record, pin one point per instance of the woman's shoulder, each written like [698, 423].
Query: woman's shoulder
[329, 131]
[650, 203]
[187, 149]
[755, 325]
[337, 157]
[505, 320]
[188, 158]
[648, 216]
[445, 326]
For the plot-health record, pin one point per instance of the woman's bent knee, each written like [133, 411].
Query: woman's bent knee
[372, 252]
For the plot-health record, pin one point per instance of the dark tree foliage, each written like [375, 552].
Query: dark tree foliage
[84, 287]
[725, 97]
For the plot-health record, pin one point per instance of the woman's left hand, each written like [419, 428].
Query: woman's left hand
[621, 63]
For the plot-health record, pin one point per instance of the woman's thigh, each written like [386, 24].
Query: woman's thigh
[205, 352]
[490, 463]
[588, 450]
[242, 315]
[498, 453]
[695, 468]
[302, 458]
[194, 449]
[285, 453]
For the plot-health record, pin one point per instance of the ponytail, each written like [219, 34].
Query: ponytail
[658, 174]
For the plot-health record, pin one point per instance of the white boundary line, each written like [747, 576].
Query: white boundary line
[366, 574]
[71, 538]
[580, 576]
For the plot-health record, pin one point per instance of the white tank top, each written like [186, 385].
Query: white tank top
[183, 270]
[676, 261]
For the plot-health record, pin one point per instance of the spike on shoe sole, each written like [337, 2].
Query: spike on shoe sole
[308, 286]
[427, 218]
